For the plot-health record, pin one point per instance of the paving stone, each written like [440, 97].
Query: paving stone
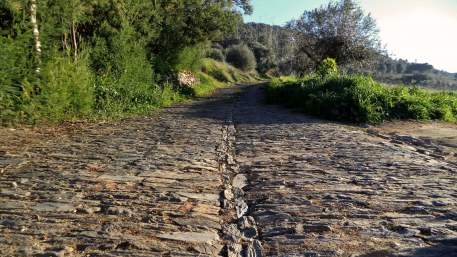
[226, 176]
[193, 237]
[318, 188]
[141, 187]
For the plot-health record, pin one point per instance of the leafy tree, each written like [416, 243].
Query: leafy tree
[241, 57]
[340, 30]
[419, 67]
[124, 49]
[264, 56]
[189, 23]
[273, 46]
[245, 5]
[401, 67]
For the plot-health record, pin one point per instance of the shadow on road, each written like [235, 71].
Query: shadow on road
[246, 104]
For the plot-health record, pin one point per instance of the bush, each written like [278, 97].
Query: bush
[216, 54]
[189, 58]
[16, 71]
[125, 80]
[328, 67]
[264, 57]
[241, 57]
[361, 99]
[67, 91]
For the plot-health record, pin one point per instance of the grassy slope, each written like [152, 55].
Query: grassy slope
[361, 99]
[214, 75]
[122, 103]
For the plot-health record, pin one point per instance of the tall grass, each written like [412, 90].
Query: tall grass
[67, 91]
[215, 74]
[16, 73]
[358, 98]
[111, 78]
[100, 84]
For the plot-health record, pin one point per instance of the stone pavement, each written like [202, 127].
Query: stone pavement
[225, 176]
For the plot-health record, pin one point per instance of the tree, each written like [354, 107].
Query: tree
[245, 5]
[241, 57]
[401, 67]
[419, 67]
[273, 46]
[36, 32]
[188, 23]
[264, 56]
[341, 30]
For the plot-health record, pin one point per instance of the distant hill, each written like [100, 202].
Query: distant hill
[401, 71]
[273, 46]
[275, 49]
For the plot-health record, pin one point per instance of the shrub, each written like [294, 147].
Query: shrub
[241, 57]
[327, 67]
[67, 91]
[216, 54]
[224, 72]
[125, 81]
[361, 99]
[189, 58]
[264, 57]
[16, 71]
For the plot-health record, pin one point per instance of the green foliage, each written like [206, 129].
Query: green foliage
[67, 91]
[328, 67]
[401, 71]
[225, 73]
[207, 85]
[241, 57]
[216, 74]
[273, 46]
[109, 58]
[125, 80]
[361, 99]
[189, 58]
[216, 54]
[340, 30]
[264, 57]
[187, 23]
[16, 71]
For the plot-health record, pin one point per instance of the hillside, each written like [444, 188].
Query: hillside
[91, 60]
[276, 50]
[422, 74]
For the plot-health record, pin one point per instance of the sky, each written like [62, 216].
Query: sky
[416, 30]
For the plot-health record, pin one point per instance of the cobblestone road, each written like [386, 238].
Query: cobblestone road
[225, 176]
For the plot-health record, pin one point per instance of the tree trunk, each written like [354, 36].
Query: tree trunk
[65, 42]
[36, 32]
[74, 40]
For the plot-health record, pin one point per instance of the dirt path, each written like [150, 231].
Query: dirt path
[226, 176]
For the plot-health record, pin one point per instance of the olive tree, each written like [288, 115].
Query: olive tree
[340, 30]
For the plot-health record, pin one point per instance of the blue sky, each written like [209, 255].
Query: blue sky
[417, 30]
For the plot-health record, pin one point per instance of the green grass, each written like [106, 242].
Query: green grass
[226, 73]
[207, 85]
[360, 99]
[71, 91]
[214, 74]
